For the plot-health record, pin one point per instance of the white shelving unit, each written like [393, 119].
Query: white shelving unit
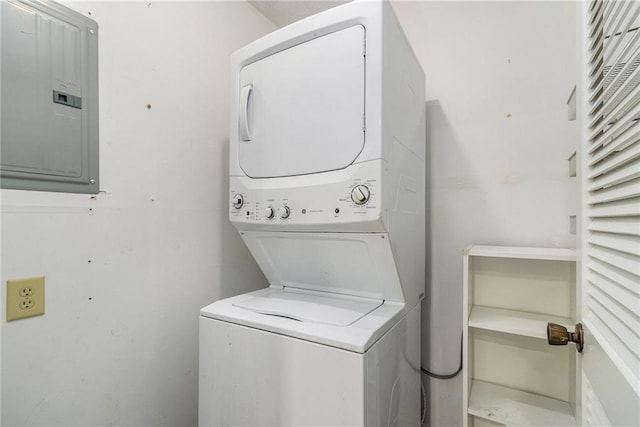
[511, 376]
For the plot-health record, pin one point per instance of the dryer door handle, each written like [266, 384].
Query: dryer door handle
[245, 125]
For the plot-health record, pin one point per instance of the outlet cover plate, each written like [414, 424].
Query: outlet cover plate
[25, 297]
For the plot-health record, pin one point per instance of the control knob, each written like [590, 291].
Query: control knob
[284, 211]
[237, 201]
[360, 194]
[268, 212]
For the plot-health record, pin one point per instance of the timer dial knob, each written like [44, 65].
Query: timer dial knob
[268, 212]
[284, 211]
[237, 201]
[360, 194]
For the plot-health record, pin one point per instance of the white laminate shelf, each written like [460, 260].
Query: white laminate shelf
[512, 407]
[551, 254]
[514, 322]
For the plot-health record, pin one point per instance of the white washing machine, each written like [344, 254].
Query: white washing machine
[327, 173]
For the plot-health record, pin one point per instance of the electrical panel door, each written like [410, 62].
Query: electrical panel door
[49, 98]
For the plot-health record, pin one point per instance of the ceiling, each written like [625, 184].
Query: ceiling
[285, 12]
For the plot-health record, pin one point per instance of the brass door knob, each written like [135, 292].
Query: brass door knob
[559, 335]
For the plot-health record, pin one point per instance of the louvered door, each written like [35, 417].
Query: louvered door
[610, 230]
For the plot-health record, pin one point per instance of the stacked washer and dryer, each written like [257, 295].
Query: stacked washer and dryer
[327, 190]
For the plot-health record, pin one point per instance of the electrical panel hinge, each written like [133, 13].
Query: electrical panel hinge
[364, 47]
[364, 123]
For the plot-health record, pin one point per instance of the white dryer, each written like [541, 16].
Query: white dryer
[327, 173]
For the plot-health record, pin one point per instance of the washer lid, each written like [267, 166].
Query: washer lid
[358, 337]
[310, 306]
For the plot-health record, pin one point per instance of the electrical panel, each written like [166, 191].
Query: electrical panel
[49, 86]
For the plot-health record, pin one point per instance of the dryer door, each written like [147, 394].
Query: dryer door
[301, 110]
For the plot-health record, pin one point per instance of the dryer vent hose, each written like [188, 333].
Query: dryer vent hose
[445, 376]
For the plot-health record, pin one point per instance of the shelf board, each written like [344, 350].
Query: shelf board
[552, 254]
[514, 322]
[514, 407]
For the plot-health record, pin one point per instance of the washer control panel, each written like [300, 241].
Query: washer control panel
[359, 200]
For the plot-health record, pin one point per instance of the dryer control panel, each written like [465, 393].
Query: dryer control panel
[278, 201]
[351, 203]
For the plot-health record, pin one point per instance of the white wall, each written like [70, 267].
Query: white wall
[127, 272]
[498, 75]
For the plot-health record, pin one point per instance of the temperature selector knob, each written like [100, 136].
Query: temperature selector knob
[360, 194]
[268, 212]
[237, 201]
[284, 211]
